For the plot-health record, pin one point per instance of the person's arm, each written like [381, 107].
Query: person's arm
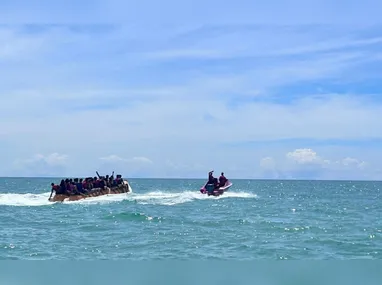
[51, 193]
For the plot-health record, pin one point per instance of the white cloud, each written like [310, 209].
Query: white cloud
[142, 159]
[116, 158]
[113, 158]
[42, 165]
[132, 167]
[352, 163]
[307, 164]
[306, 156]
[51, 159]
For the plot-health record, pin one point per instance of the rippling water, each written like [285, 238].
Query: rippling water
[170, 219]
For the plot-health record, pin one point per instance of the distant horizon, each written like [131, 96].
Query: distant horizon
[188, 178]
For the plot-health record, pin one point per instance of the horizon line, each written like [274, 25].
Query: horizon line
[195, 178]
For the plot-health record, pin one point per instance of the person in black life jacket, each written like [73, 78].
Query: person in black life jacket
[222, 180]
[211, 177]
[102, 183]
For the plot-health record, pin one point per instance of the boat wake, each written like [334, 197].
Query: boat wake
[25, 200]
[33, 200]
[168, 198]
[150, 198]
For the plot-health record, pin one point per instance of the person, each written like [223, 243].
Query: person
[79, 185]
[102, 183]
[211, 177]
[62, 187]
[96, 182]
[222, 180]
[55, 188]
[119, 179]
[216, 183]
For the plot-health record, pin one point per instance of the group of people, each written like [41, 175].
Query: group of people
[82, 186]
[213, 180]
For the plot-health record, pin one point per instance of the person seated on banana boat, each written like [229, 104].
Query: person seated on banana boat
[68, 186]
[95, 182]
[119, 179]
[102, 182]
[85, 184]
[111, 182]
[111, 179]
[88, 185]
[222, 180]
[72, 188]
[63, 186]
[56, 189]
[80, 186]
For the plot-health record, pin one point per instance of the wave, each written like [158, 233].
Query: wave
[150, 198]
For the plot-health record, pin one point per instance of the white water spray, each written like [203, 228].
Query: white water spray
[150, 198]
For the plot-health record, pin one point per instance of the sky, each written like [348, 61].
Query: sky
[174, 89]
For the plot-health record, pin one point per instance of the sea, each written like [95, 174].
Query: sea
[166, 219]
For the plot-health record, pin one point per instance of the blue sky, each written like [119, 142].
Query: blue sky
[176, 88]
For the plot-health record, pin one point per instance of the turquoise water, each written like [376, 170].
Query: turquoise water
[166, 219]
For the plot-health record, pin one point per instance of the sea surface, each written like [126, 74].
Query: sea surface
[170, 219]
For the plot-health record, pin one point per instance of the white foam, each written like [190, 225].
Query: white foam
[105, 199]
[28, 199]
[166, 198]
[150, 198]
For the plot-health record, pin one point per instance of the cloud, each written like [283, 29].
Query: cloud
[305, 163]
[116, 158]
[135, 167]
[53, 164]
[352, 163]
[306, 156]
[176, 94]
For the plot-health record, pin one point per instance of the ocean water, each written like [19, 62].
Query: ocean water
[170, 219]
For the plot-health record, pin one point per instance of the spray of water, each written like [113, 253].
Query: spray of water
[150, 198]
